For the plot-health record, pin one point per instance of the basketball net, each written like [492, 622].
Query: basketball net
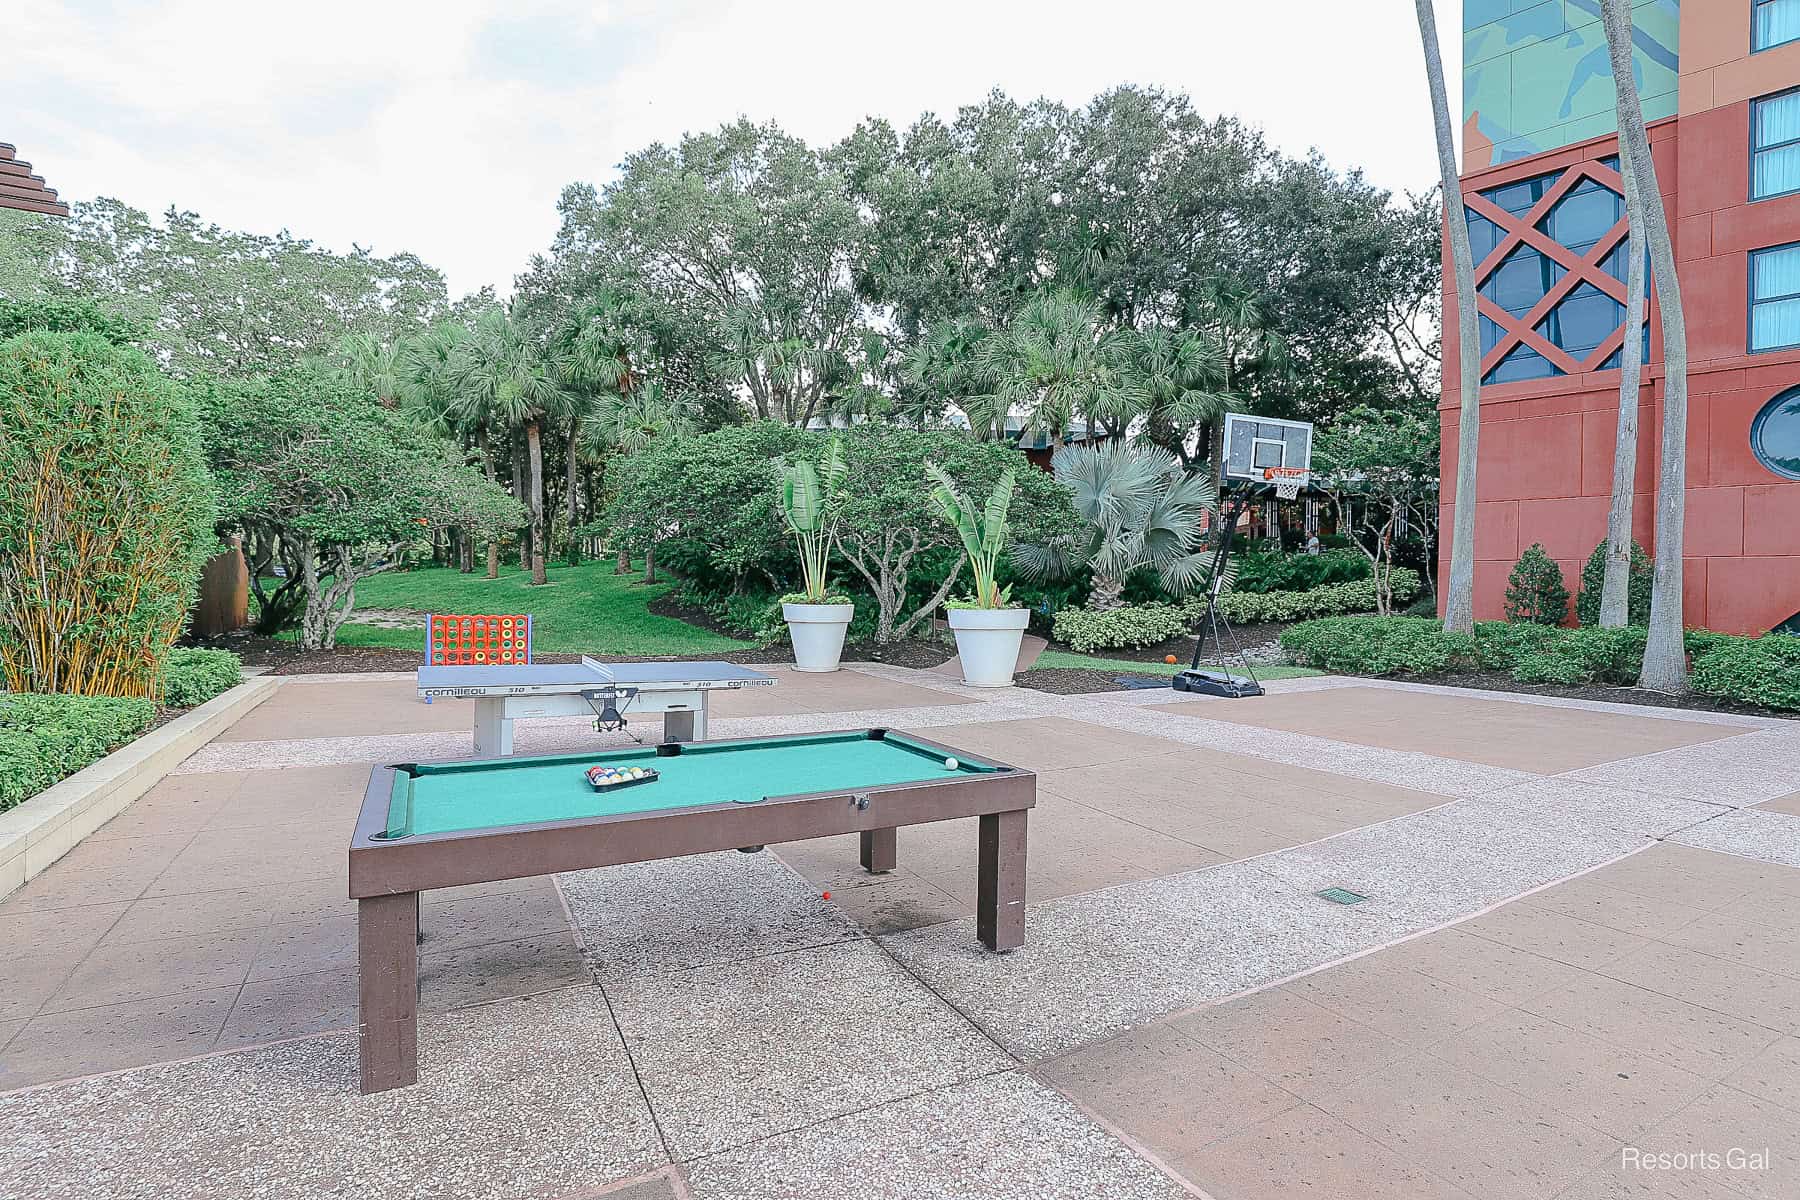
[1287, 480]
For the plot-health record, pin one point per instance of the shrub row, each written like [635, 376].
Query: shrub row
[1357, 596]
[44, 738]
[1764, 671]
[191, 677]
[1114, 629]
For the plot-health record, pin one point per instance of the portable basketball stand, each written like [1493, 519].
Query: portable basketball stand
[1259, 453]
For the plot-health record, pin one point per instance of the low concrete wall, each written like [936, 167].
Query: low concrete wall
[53, 822]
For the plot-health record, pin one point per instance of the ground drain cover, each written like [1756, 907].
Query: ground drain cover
[1339, 895]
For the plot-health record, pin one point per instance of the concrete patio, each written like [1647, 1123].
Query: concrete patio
[1576, 952]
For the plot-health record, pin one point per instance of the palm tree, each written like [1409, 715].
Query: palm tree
[1665, 652]
[1140, 508]
[369, 364]
[427, 388]
[1615, 586]
[1175, 380]
[1459, 594]
[629, 423]
[596, 351]
[1053, 362]
[943, 365]
[506, 381]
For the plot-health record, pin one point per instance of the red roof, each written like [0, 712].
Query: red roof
[20, 189]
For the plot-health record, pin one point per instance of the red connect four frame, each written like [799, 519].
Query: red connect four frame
[480, 641]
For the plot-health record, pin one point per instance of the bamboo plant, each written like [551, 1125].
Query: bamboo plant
[809, 495]
[983, 537]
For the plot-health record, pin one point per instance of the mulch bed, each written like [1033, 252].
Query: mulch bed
[1611, 695]
[1078, 681]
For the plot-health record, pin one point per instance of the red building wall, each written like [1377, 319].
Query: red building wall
[1545, 464]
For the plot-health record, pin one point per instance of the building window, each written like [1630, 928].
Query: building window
[1583, 216]
[1522, 279]
[1775, 145]
[1484, 236]
[1775, 435]
[1775, 298]
[1519, 196]
[1774, 22]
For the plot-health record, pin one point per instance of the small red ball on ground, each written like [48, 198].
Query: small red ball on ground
[824, 895]
[1168, 658]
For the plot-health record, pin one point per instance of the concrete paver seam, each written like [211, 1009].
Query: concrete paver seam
[1125, 1139]
[613, 1016]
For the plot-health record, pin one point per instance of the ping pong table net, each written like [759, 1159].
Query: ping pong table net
[482, 640]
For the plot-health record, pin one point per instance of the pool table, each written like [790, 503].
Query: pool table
[443, 824]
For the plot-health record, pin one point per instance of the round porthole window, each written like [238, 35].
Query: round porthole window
[1775, 435]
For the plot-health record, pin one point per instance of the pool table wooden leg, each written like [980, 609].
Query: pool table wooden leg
[387, 956]
[880, 850]
[1000, 880]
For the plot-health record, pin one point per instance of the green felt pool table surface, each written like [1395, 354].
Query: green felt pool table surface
[494, 793]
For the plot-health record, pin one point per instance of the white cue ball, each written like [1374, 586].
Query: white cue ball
[950, 763]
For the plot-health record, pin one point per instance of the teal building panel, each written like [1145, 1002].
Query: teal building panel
[1537, 76]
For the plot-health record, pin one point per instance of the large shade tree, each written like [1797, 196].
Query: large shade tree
[335, 485]
[214, 299]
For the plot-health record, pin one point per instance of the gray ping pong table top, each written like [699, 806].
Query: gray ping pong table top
[472, 679]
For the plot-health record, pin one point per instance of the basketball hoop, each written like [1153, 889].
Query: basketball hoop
[1287, 480]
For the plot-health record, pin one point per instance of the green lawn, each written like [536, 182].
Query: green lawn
[1065, 658]
[582, 610]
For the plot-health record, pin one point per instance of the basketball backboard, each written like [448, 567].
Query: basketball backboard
[1267, 451]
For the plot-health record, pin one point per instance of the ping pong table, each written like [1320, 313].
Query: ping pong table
[504, 694]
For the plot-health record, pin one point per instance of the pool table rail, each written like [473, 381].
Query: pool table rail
[381, 866]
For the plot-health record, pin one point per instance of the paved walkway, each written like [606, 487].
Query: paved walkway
[1576, 951]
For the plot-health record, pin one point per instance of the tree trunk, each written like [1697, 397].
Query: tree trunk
[487, 462]
[1459, 606]
[1106, 593]
[521, 479]
[1615, 589]
[534, 450]
[650, 563]
[622, 560]
[572, 477]
[1665, 651]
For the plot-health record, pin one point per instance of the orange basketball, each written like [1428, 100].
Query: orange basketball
[1169, 658]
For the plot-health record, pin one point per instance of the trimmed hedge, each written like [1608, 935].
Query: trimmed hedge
[46, 738]
[1371, 645]
[1116, 628]
[1254, 608]
[1763, 671]
[191, 677]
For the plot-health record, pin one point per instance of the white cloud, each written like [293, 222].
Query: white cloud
[448, 129]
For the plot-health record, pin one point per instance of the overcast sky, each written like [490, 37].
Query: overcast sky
[448, 129]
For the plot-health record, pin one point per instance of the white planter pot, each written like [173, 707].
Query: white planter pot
[818, 634]
[987, 642]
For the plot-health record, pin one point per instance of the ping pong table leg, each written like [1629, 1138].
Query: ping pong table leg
[689, 726]
[493, 729]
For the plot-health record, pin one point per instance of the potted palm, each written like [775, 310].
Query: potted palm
[988, 629]
[816, 618]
